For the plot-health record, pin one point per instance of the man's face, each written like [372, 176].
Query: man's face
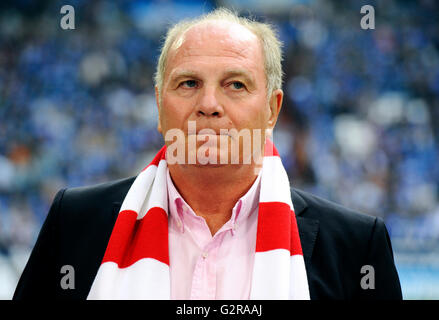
[215, 76]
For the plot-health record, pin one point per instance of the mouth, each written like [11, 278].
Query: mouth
[210, 132]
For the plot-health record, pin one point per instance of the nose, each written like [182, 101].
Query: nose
[209, 105]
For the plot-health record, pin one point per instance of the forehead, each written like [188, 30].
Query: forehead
[216, 38]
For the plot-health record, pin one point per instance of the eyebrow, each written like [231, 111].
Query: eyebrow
[175, 76]
[228, 73]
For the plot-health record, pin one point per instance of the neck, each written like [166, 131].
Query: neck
[212, 192]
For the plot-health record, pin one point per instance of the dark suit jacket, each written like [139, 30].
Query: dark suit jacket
[336, 244]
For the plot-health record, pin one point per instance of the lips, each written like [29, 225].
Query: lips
[211, 132]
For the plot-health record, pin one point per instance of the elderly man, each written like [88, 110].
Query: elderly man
[212, 216]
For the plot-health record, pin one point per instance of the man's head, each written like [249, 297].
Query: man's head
[221, 72]
[271, 45]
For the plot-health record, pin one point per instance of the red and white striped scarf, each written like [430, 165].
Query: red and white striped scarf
[136, 261]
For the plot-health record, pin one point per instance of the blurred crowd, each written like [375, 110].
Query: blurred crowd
[359, 124]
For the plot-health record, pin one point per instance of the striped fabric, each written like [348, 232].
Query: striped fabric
[136, 261]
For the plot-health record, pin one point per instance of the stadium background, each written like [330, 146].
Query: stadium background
[359, 123]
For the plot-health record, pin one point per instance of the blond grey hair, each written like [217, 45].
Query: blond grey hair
[271, 46]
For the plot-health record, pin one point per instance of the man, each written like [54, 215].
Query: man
[207, 218]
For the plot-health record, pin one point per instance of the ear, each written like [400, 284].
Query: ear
[275, 104]
[157, 99]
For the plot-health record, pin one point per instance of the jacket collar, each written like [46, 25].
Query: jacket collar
[299, 203]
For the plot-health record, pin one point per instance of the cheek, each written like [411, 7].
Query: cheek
[254, 115]
[172, 112]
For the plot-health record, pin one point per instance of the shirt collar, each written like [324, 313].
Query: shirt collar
[181, 211]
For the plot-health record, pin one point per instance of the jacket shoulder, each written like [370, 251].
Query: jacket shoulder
[315, 207]
[75, 233]
[339, 226]
[95, 196]
[91, 205]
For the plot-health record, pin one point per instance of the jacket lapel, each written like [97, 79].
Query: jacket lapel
[116, 209]
[308, 228]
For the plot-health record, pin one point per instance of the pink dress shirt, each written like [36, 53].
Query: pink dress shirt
[203, 266]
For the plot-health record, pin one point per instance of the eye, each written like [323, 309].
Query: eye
[237, 85]
[189, 84]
